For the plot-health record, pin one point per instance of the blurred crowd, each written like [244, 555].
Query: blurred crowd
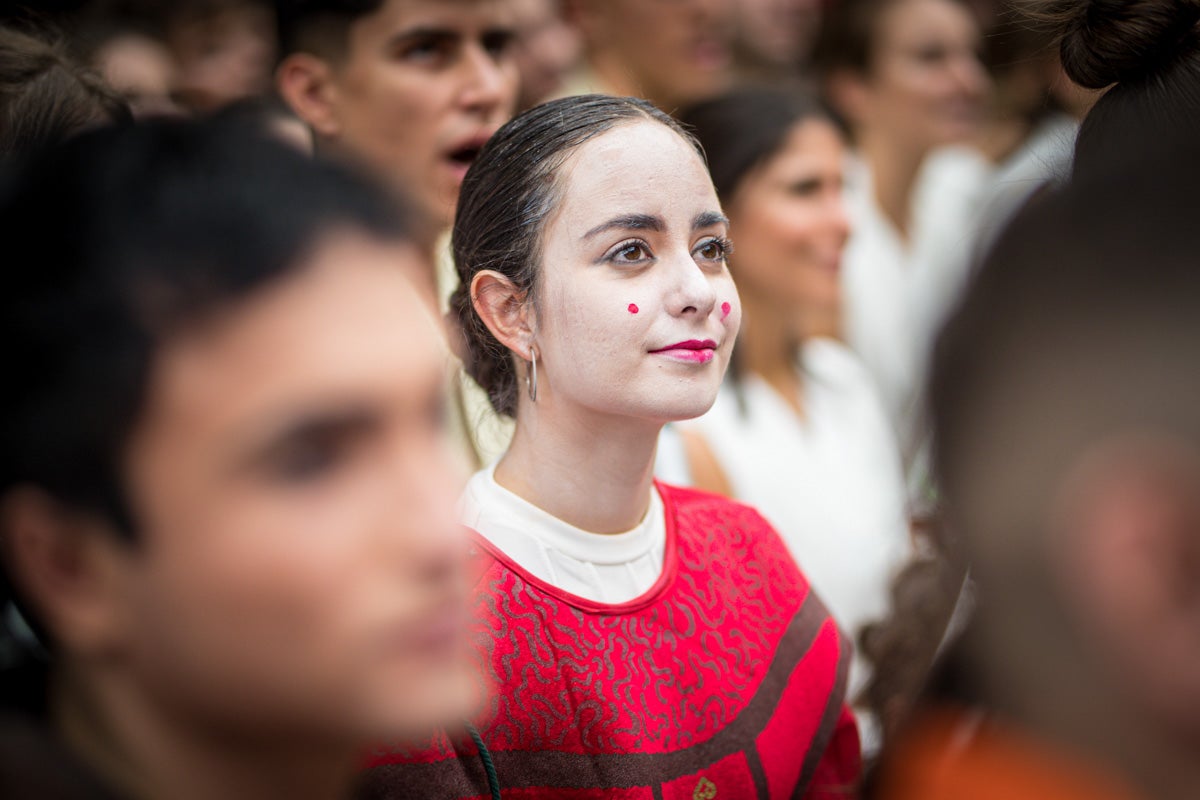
[950, 238]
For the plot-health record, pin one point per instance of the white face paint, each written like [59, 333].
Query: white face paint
[637, 312]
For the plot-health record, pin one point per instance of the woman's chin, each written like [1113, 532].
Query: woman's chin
[684, 408]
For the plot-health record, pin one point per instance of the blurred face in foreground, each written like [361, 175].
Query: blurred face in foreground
[298, 574]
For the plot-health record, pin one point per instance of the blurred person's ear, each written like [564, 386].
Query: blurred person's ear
[1126, 552]
[306, 83]
[505, 311]
[69, 568]
[849, 95]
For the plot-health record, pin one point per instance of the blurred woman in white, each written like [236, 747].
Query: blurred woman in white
[906, 78]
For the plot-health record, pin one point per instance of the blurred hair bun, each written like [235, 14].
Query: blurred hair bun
[1110, 41]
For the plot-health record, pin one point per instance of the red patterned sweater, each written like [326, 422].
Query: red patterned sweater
[724, 680]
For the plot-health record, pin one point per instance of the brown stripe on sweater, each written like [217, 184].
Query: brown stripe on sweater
[553, 769]
[829, 720]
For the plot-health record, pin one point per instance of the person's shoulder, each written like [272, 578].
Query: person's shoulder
[689, 501]
[676, 496]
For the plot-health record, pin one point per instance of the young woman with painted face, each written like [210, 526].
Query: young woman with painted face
[638, 637]
[798, 430]
[905, 77]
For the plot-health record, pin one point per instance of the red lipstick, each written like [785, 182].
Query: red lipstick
[694, 350]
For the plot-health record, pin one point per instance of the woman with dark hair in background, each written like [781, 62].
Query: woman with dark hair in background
[798, 430]
[905, 77]
[46, 97]
[639, 637]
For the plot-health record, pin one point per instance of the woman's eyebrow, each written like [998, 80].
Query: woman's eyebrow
[706, 219]
[636, 222]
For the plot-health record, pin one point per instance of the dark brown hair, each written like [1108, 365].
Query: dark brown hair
[45, 96]
[1148, 52]
[319, 27]
[506, 198]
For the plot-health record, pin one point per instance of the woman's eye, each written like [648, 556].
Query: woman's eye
[714, 249]
[630, 253]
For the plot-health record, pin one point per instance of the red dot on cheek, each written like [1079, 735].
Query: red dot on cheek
[633, 309]
[725, 309]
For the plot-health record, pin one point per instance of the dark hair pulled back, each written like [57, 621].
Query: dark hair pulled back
[506, 199]
[1112, 41]
[1148, 52]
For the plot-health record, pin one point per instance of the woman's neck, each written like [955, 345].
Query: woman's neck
[142, 752]
[594, 471]
[767, 346]
[895, 168]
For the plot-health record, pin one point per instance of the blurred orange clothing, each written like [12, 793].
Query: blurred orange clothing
[954, 755]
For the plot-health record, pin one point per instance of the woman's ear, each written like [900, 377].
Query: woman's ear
[505, 311]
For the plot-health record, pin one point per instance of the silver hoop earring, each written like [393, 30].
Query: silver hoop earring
[531, 375]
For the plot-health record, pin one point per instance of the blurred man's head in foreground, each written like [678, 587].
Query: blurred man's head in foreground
[225, 501]
[1066, 399]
